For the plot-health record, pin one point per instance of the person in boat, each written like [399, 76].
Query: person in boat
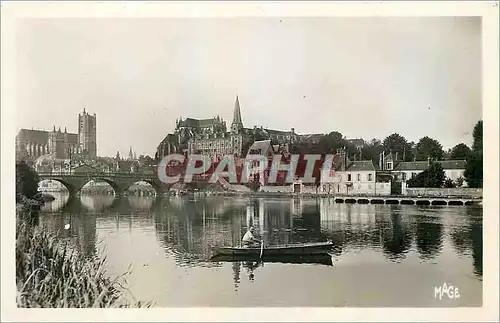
[249, 239]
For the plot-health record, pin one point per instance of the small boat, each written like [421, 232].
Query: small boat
[317, 248]
[322, 259]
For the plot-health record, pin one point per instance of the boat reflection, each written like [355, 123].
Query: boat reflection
[321, 259]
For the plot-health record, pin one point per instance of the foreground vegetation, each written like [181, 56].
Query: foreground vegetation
[50, 273]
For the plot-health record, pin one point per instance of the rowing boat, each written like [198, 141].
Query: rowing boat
[319, 248]
[323, 259]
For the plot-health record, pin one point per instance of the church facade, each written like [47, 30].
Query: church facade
[32, 144]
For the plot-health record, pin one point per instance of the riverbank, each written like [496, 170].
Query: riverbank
[50, 273]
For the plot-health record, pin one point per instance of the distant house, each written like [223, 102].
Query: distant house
[352, 177]
[262, 148]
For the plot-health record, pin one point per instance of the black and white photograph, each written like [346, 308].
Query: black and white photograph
[270, 160]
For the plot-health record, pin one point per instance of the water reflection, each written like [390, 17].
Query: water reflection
[95, 203]
[397, 236]
[61, 199]
[186, 229]
[429, 235]
[467, 238]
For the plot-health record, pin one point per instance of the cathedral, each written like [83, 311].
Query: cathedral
[211, 137]
[59, 144]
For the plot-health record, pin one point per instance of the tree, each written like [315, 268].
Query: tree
[335, 136]
[26, 181]
[396, 143]
[330, 143]
[477, 135]
[372, 150]
[433, 176]
[448, 183]
[460, 151]
[474, 169]
[428, 147]
[474, 166]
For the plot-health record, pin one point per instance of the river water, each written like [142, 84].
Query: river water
[384, 255]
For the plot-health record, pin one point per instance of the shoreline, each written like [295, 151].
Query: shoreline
[49, 273]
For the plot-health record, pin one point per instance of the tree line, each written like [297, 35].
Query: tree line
[425, 149]
[406, 150]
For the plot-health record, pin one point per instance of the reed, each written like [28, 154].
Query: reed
[50, 273]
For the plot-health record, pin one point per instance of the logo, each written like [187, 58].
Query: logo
[447, 291]
[273, 169]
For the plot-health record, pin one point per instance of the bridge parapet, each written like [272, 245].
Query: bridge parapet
[119, 181]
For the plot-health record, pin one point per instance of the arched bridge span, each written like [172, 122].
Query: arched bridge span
[120, 182]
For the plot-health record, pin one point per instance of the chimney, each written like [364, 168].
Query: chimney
[342, 156]
[428, 161]
[396, 159]
[293, 130]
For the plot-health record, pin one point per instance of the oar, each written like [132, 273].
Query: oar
[261, 248]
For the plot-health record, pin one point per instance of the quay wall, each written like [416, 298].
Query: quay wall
[443, 192]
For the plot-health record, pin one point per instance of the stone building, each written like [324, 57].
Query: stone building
[403, 171]
[213, 138]
[356, 177]
[32, 144]
[206, 136]
[87, 133]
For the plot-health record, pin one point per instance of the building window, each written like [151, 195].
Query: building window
[413, 174]
[404, 177]
[348, 177]
[389, 166]
[370, 177]
[359, 177]
[369, 186]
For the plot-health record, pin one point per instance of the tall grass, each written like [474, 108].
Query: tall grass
[51, 274]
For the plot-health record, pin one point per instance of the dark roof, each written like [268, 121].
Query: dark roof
[42, 136]
[312, 136]
[414, 165]
[422, 165]
[34, 136]
[278, 132]
[361, 165]
[260, 147]
[197, 123]
[453, 164]
[170, 138]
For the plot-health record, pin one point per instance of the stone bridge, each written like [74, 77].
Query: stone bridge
[120, 182]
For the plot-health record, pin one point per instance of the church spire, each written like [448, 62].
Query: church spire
[130, 155]
[237, 124]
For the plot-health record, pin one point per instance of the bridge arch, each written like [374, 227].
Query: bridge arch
[154, 184]
[117, 188]
[72, 188]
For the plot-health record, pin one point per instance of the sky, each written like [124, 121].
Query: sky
[365, 77]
